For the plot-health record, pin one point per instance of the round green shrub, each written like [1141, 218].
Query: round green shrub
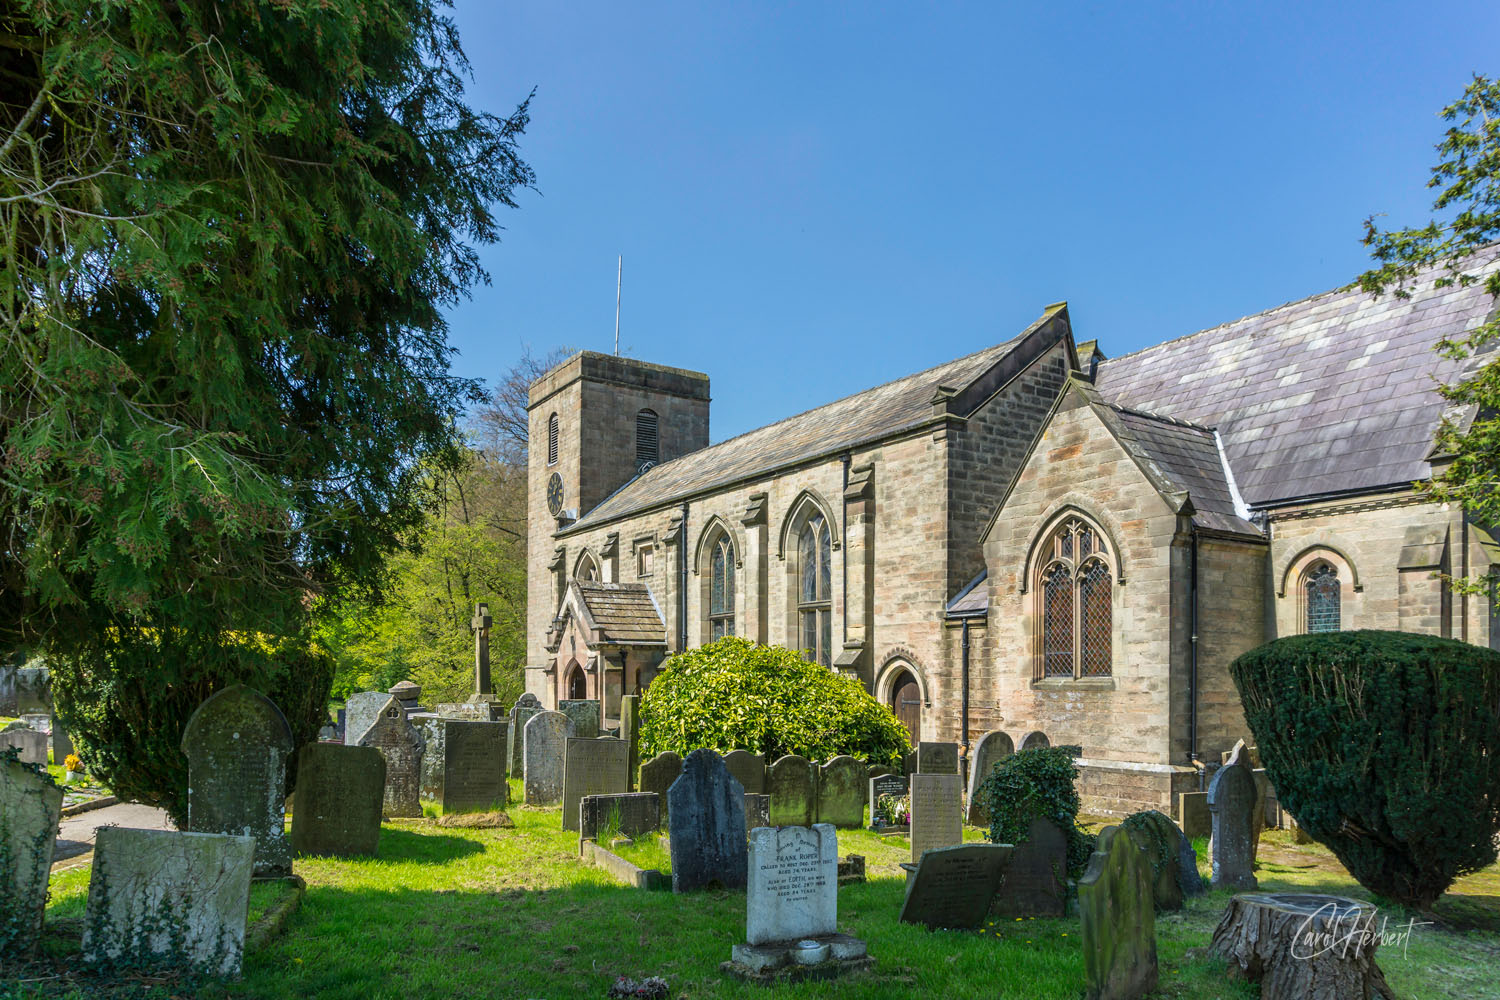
[1036, 783]
[1385, 746]
[736, 695]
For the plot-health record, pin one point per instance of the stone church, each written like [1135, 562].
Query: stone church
[1035, 538]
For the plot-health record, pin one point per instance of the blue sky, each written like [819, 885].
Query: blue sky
[815, 198]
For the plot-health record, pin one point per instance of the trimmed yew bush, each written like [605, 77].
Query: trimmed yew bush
[1385, 746]
[736, 695]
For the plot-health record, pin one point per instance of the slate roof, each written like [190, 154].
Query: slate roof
[974, 599]
[1188, 457]
[622, 613]
[854, 420]
[1330, 394]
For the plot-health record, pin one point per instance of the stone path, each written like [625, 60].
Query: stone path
[75, 836]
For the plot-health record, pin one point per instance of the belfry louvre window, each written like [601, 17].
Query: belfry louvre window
[647, 440]
[1075, 603]
[552, 440]
[721, 589]
[1320, 589]
[814, 552]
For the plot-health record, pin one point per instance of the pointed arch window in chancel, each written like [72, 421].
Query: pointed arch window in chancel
[1076, 603]
[1321, 593]
[721, 589]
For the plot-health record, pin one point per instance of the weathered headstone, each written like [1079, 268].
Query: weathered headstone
[32, 744]
[401, 745]
[629, 813]
[33, 689]
[473, 766]
[62, 745]
[749, 769]
[339, 794]
[1231, 804]
[937, 758]
[591, 767]
[585, 714]
[408, 693]
[1119, 923]
[1161, 840]
[545, 745]
[341, 723]
[909, 764]
[1188, 879]
[1034, 740]
[434, 756]
[885, 784]
[841, 792]
[707, 823]
[30, 806]
[793, 883]
[992, 748]
[630, 732]
[954, 886]
[178, 899]
[757, 811]
[360, 712]
[1192, 810]
[520, 713]
[936, 812]
[792, 783]
[657, 775]
[471, 711]
[238, 746]
[1036, 881]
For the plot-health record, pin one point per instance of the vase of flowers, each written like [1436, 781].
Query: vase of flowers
[73, 767]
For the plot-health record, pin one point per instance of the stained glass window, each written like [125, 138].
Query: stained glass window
[1321, 590]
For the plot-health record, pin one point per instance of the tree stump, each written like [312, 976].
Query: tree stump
[1302, 946]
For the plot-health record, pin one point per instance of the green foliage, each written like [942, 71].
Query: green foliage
[127, 701]
[1038, 782]
[1458, 249]
[1385, 746]
[736, 695]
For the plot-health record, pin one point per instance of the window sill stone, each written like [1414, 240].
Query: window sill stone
[1074, 684]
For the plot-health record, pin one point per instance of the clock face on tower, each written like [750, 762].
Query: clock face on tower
[555, 494]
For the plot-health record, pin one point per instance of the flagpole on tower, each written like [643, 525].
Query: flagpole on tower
[619, 277]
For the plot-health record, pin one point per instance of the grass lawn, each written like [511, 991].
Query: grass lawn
[503, 913]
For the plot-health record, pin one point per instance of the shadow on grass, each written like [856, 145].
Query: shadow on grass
[424, 846]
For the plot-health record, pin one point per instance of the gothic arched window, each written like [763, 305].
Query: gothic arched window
[1075, 594]
[552, 440]
[814, 608]
[647, 440]
[1320, 590]
[721, 589]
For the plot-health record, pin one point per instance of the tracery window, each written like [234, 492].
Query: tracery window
[721, 589]
[1075, 602]
[814, 609]
[1320, 589]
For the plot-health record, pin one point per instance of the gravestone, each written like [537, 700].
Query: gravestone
[473, 766]
[591, 767]
[706, 820]
[1188, 879]
[657, 775]
[1036, 881]
[30, 807]
[360, 712]
[885, 784]
[1119, 923]
[545, 745]
[841, 793]
[32, 744]
[39, 721]
[1034, 740]
[520, 713]
[992, 748]
[631, 813]
[792, 783]
[1192, 810]
[953, 887]
[480, 624]
[937, 758]
[1232, 802]
[408, 693]
[341, 723]
[749, 769]
[909, 764]
[401, 745]
[434, 756]
[470, 711]
[757, 811]
[33, 689]
[792, 890]
[238, 746]
[339, 794]
[936, 812]
[630, 732]
[157, 896]
[1161, 841]
[585, 715]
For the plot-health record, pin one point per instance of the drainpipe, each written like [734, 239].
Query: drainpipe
[846, 457]
[964, 661]
[682, 589]
[1193, 657]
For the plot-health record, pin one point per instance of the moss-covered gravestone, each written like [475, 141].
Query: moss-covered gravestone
[174, 900]
[546, 744]
[992, 748]
[707, 823]
[401, 745]
[238, 745]
[591, 767]
[749, 769]
[339, 794]
[1162, 843]
[515, 735]
[1036, 880]
[792, 783]
[360, 711]
[1119, 921]
[30, 804]
[841, 792]
[587, 716]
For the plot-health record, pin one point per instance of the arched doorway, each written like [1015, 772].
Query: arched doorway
[578, 684]
[906, 702]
